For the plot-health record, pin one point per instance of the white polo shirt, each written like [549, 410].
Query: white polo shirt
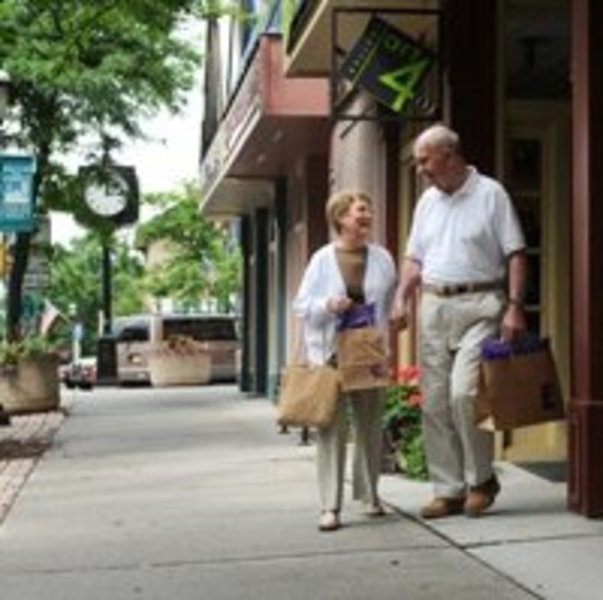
[465, 236]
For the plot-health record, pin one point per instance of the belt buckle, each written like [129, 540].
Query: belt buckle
[453, 290]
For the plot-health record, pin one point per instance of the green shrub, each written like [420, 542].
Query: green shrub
[402, 425]
[29, 347]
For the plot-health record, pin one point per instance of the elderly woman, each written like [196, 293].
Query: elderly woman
[345, 273]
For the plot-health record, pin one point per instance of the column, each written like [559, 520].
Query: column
[585, 491]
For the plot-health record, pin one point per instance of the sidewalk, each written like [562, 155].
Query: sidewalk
[191, 493]
[528, 536]
[22, 443]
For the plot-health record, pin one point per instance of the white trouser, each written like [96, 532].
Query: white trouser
[451, 330]
[366, 413]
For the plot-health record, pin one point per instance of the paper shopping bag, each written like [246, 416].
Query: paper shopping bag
[362, 359]
[308, 395]
[518, 385]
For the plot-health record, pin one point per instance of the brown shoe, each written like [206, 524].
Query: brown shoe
[443, 507]
[375, 510]
[481, 497]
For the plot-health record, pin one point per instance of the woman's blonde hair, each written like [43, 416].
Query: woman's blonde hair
[339, 203]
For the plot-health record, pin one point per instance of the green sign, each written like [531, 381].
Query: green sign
[16, 192]
[388, 64]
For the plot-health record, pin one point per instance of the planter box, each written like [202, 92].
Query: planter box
[177, 368]
[32, 386]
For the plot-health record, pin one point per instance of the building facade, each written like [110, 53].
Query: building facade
[265, 163]
[520, 81]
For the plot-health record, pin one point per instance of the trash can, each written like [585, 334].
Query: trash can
[106, 357]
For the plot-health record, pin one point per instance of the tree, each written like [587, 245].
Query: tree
[204, 261]
[75, 282]
[89, 71]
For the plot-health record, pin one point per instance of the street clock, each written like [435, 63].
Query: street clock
[109, 198]
[111, 193]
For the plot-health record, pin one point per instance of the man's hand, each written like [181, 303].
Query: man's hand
[410, 278]
[514, 322]
[399, 316]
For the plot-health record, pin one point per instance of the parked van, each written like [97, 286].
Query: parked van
[135, 335]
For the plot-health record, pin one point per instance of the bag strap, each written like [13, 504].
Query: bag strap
[300, 353]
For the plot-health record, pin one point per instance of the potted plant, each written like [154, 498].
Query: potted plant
[402, 426]
[29, 379]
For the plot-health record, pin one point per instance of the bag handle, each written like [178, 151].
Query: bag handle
[300, 353]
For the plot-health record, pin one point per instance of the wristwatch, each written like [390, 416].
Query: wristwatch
[515, 301]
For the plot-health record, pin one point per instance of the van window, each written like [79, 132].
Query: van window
[132, 330]
[201, 329]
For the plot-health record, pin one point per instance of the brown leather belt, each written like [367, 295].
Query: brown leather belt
[454, 289]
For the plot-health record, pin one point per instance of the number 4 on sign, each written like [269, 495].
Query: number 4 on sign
[403, 82]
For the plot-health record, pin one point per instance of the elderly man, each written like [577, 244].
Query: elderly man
[466, 252]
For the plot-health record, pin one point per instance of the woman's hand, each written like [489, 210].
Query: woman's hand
[339, 304]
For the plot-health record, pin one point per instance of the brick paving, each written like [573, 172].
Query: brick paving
[21, 446]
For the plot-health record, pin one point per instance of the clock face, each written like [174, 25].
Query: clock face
[107, 199]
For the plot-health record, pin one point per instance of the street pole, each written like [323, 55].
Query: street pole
[107, 351]
[4, 94]
[107, 291]
[4, 418]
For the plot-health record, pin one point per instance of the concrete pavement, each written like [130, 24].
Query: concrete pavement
[528, 535]
[21, 446]
[191, 493]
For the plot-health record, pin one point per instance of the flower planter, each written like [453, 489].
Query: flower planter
[179, 369]
[31, 386]
[179, 361]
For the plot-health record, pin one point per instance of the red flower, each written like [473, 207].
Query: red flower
[408, 374]
[415, 399]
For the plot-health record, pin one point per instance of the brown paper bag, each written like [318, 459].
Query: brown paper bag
[308, 395]
[518, 390]
[362, 359]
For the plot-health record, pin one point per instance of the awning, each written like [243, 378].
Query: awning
[309, 45]
[270, 122]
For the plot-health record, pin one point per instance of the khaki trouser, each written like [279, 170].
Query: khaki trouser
[366, 412]
[451, 330]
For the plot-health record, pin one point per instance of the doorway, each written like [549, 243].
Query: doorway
[537, 177]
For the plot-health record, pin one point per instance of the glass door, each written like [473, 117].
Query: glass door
[523, 180]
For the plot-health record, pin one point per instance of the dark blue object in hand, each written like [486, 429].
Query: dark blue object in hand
[496, 348]
[359, 315]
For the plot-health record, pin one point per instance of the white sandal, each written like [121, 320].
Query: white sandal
[329, 521]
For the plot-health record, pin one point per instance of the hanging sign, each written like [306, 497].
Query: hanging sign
[388, 64]
[16, 192]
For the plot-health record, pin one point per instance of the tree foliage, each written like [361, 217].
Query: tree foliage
[76, 282]
[87, 71]
[91, 69]
[204, 262]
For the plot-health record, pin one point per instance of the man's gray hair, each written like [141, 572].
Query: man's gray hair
[438, 136]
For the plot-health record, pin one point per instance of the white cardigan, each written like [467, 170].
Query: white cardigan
[322, 280]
